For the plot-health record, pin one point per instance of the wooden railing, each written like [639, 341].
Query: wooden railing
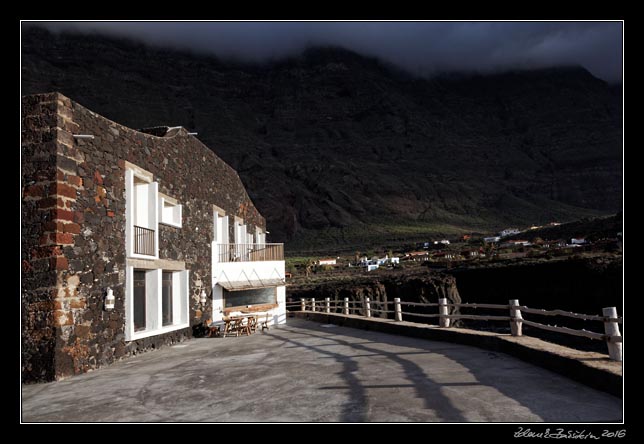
[367, 308]
[250, 252]
[143, 241]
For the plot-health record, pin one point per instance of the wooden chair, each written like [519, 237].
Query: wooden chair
[243, 324]
[264, 323]
[252, 323]
[214, 328]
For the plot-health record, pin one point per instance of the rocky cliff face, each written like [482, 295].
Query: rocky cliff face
[338, 150]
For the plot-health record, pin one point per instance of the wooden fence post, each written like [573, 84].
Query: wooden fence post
[328, 304]
[397, 309]
[346, 306]
[516, 320]
[367, 307]
[303, 301]
[611, 328]
[443, 311]
[312, 304]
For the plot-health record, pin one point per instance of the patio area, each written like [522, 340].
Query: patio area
[310, 372]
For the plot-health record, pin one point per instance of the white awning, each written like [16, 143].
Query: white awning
[251, 285]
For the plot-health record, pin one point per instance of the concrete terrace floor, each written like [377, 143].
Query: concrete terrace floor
[305, 371]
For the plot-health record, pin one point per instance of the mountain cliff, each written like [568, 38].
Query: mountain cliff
[338, 150]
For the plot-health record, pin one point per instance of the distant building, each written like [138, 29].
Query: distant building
[327, 261]
[372, 267]
[444, 242]
[578, 241]
[554, 243]
[490, 240]
[444, 255]
[470, 253]
[509, 232]
[416, 256]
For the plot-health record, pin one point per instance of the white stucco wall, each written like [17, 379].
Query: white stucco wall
[242, 271]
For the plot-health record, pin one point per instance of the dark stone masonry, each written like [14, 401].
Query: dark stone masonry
[74, 229]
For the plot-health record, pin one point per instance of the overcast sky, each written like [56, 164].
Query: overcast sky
[420, 47]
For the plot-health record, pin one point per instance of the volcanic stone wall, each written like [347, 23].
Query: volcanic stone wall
[73, 230]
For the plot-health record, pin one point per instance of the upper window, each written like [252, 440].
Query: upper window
[170, 211]
[142, 213]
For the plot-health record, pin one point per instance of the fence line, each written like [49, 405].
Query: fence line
[423, 304]
[611, 335]
[500, 306]
[561, 313]
[569, 331]
[479, 317]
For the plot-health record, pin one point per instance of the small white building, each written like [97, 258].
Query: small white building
[327, 261]
[509, 232]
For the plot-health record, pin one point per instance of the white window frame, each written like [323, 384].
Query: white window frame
[260, 236]
[176, 218]
[219, 226]
[153, 293]
[240, 231]
[132, 171]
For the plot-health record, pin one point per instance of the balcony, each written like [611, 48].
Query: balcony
[250, 252]
[143, 241]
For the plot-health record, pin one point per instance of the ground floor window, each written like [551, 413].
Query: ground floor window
[156, 301]
[139, 300]
[166, 298]
[255, 296]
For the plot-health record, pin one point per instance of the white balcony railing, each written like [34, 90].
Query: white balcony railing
[250, 252]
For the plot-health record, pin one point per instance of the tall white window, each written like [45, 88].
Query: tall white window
[141, 214]
[157, 302]
[260, 236]
[220, 229]
[240, 231]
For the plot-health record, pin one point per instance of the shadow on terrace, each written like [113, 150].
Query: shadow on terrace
[309, 372]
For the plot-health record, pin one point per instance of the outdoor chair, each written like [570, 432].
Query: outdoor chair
[214, 328]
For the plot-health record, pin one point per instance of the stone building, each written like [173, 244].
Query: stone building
[151, 217]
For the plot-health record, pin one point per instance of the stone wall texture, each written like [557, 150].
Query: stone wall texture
[73, 230]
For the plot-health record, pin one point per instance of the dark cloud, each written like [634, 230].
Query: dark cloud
[420, 47]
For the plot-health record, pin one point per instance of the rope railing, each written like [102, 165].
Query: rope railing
[365, 307]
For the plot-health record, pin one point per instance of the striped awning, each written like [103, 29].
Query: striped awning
[251, 285]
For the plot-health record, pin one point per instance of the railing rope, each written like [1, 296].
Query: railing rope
[397, 309]
[443, 311]
[367, 307]
[611, 328]
[516, 320]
